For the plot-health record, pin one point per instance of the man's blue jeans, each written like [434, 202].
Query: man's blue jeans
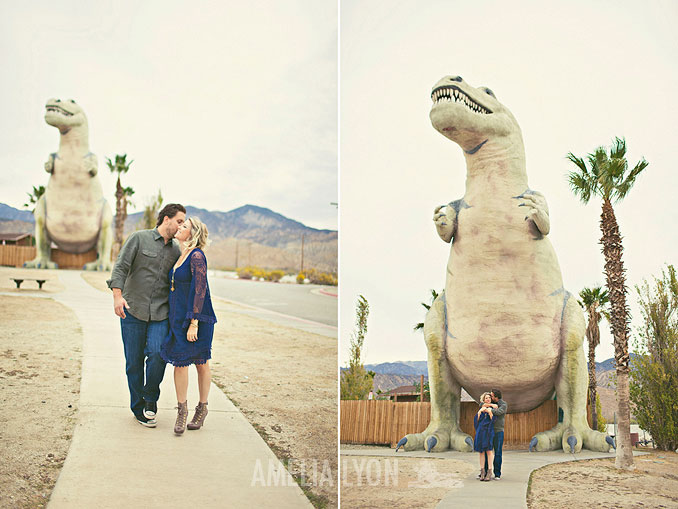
[142, 341]
[498, 444]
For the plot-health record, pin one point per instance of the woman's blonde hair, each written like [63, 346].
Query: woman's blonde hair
[482, 397]
[199, 234]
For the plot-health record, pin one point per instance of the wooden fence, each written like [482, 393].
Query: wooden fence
[15, 256]
[386, 422]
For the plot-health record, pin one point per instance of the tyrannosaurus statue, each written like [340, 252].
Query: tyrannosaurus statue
[504, 319]
[73, 212]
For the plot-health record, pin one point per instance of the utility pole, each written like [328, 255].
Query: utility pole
[236, 254]
[302, 254]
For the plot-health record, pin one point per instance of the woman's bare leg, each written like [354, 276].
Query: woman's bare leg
[204, 380]
[482, 459]
[490, 458]
[181, 382]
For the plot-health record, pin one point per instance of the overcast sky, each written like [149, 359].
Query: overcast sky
[574, 74]
[219, 103]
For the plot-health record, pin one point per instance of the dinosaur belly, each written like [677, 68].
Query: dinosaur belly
[73, 214]
[504, 303]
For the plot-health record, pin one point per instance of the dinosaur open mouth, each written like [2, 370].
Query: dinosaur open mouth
[56, 109]
[451, 93]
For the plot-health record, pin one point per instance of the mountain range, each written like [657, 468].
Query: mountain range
[247, 235]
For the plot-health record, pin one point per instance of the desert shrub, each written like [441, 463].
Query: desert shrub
[321, 278]
[244, 273]
[274, 275]
[301, 277]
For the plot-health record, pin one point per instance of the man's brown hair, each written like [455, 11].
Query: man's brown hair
[170, 210]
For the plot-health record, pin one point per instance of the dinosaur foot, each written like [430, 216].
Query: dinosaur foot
[437, 438]
[40, 263]
[570, 439]
[98, 265]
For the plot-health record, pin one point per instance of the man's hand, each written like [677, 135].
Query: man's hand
[119, 303]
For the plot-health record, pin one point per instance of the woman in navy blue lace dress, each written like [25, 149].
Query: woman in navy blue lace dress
[484, 424]
[191, 319]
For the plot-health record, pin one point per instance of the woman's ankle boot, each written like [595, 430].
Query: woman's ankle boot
[182, 415]
[199, 416]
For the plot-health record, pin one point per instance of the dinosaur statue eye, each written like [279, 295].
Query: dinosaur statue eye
[72, 101]
[489, 92]
[456, 78]
[58, 100]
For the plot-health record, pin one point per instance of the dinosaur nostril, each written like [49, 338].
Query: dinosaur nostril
[456, 78]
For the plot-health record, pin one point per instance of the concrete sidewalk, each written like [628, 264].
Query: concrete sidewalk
[509, 492]
[115, 462]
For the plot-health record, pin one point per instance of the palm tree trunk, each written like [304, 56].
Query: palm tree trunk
[592, 385]
[120, 216]
[616, 285]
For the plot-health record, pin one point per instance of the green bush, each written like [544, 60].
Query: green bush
[301, 277]
[653, 380]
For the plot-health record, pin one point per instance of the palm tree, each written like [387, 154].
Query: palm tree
[608, 178]
[593, 300]
[434, 296]
[121, 199]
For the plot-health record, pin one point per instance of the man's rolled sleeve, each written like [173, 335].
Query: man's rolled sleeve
[124, 262]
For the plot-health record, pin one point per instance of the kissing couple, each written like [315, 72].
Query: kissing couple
[161, 294]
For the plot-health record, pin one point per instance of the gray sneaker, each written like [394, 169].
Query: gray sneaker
[150, 409]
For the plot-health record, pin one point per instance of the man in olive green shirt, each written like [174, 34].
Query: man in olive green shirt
[140, 285]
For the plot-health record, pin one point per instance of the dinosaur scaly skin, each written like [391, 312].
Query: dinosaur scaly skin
[73, 212]
[505, 319]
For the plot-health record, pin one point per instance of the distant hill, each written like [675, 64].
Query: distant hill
[259, 235]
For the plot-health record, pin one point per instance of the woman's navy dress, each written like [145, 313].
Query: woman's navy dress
[190, 299]
[484, 432]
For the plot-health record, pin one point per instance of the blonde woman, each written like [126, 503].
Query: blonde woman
[191, 320]
[484, 424]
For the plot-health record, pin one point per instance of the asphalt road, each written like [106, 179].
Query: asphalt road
[301, 301]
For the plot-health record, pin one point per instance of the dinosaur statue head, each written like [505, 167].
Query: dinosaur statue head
[64, 115]
[472, 116]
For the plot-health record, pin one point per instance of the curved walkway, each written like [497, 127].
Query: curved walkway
[115, 462]
[509, 492]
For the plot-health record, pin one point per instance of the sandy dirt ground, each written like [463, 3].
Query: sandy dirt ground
[39, 394]
[597, 483]
[285, 383]
[379, 482]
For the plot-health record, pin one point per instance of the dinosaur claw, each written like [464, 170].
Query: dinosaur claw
[402, 442]
[572, 441]
[610, 441]
[469, 441]
[431, 443]
[533, 443]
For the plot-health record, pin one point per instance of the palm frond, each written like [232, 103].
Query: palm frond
[624, 187]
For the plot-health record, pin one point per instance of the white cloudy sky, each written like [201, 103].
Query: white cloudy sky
[575, 74]
[219, 103]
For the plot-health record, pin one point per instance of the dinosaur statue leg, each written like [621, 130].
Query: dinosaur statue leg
[104, 242]
[42, 243]
[571, 385]
[443, 431]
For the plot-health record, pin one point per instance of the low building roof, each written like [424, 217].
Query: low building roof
[14, 236]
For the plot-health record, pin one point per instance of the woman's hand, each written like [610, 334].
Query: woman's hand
[192, 333]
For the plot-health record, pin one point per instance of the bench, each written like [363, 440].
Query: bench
[18, 281]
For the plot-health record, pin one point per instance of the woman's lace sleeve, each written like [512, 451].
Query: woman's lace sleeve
[199, 305]
[199, 273]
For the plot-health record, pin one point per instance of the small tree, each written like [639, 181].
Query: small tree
[356, 382]
[654, 373]
[34, 196]
[151, 210]
[427, 390]
[122, 195]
